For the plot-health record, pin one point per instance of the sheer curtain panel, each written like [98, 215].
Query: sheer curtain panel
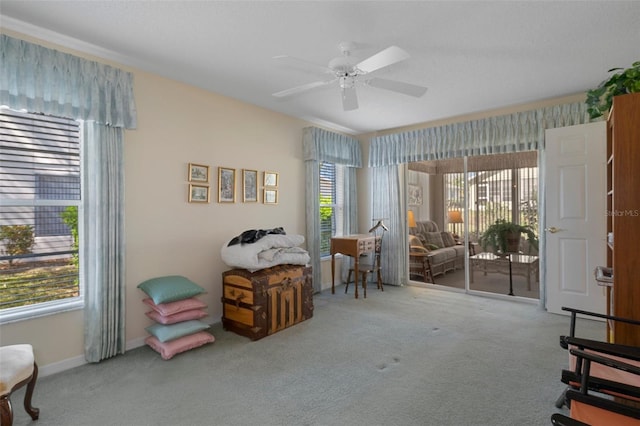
[322, 145]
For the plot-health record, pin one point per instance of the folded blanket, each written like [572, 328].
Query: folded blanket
[268, 251]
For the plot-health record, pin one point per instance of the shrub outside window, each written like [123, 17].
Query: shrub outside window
[40, 213]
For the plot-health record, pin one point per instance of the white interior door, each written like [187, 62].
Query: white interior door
[575, 180]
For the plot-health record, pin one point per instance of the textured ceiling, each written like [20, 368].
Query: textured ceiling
[472, 56]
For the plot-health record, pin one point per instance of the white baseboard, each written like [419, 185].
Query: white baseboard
[60, 366]
[77, 361]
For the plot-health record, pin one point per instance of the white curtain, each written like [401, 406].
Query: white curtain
[521, 131]
[389, 203]
[103, 250]
[47, 81]
[319, 146]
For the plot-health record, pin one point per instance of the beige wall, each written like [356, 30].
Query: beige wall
[165, 234]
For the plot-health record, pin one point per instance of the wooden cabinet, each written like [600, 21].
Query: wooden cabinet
[623, 215]
[257, 304]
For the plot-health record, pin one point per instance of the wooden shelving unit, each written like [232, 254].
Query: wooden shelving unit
[623, 216]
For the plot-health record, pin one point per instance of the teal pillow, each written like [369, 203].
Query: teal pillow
[170, 288]
[165, 333]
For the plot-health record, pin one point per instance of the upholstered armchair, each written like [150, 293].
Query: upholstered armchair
[445, 254]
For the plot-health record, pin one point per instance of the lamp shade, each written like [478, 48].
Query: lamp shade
[454, 216]
[411, 220]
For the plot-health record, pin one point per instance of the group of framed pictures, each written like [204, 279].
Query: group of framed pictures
[200, 192]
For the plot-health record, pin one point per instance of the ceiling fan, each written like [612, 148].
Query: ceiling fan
[347, 73]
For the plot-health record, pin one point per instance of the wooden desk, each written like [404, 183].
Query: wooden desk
[354, 246]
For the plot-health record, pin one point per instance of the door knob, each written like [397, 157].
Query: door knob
[552, 229]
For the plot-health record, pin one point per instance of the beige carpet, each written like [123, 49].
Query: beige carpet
[406, 356]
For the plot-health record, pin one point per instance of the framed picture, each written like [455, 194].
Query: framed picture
[415, 195]
[198, 173]
[270, 196]
[249, 186]
[198, 193]
[270, 179]
[226, 185]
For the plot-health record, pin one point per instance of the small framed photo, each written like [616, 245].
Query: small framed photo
[249, 186]
[198, 193]
[198, 173]
[270, 179]
[226, 185]
[415, 195]
[270, 196]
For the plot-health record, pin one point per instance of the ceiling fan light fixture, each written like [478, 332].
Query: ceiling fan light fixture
[342, 65]
[347, 82]
[347, 72]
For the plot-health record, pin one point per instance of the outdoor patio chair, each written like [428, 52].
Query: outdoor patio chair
[593, 408]
[603, 378]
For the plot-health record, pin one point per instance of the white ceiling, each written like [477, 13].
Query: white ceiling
[473, 56]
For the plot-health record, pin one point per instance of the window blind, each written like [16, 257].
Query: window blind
[40, 161]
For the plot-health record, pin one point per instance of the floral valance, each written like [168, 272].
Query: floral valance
[520, 131]
[323, 145]
[48, 81]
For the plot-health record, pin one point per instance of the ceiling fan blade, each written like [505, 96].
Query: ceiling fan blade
[303, 64]
[398, 86]
[300, 89]
[384, 58]
[349, 99]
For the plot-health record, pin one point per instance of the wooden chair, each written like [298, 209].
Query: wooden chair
[374, 268]
[17, 368]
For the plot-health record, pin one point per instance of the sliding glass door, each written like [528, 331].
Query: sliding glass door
[464, 199]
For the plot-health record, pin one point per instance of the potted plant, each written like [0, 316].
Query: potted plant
[504, 237]
[599, 99]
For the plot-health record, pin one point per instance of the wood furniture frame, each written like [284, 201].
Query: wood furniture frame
[375, 269]
[258, 304]
[351, 245]
[6, 409]
[420, 264]
[623, 216]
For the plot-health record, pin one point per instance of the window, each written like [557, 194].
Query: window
[331, 204]
[495, 194]
[40, 210]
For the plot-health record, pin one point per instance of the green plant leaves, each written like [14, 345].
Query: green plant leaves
[625, 81]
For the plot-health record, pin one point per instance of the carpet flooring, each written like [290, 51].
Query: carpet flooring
[405, 356]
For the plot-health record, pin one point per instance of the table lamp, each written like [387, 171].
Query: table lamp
[411, 220]
[455, 217]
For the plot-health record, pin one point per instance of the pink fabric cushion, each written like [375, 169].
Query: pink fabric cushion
[192, 314]
[169, 349]
[171, 308]
[609, 373]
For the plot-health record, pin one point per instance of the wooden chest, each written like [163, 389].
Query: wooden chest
[261, 303]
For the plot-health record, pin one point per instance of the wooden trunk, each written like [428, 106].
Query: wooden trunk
[261, 303]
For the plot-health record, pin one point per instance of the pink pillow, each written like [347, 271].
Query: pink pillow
[171, 308]
[192, 314]
[169, 349]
